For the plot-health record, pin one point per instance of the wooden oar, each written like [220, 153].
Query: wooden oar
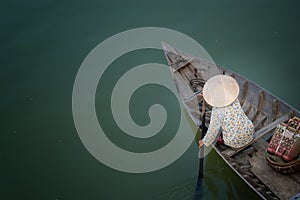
[201, 154]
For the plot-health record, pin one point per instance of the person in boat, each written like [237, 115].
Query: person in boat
[227, 115]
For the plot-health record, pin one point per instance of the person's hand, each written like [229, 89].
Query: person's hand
[201, 143]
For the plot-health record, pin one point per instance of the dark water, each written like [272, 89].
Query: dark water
[43, 44]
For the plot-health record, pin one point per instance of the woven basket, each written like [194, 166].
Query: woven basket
[279, 165]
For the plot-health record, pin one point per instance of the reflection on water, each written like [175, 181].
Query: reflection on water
[219, 182]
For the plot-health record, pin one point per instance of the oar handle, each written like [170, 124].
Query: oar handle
[203, 109]
[203, 127]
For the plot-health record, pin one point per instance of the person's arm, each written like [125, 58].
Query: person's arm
[213, 129]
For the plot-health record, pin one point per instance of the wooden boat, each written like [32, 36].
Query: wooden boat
[264, 109]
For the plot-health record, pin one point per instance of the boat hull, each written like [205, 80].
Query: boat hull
[264, 109]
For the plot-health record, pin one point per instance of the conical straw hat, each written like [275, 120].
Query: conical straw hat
[220, 90]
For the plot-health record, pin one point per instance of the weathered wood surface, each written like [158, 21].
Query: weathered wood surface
[283, 186]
